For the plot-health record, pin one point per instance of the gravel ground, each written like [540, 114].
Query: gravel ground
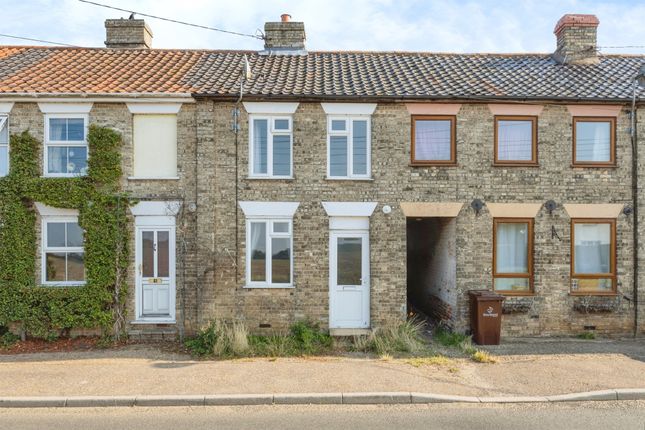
[141, 369]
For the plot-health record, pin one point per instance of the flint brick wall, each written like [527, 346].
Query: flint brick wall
[211, 241]
[550, 311]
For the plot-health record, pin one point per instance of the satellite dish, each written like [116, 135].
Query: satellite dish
[247, 69]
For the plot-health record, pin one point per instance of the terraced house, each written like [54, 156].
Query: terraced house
[351, 188]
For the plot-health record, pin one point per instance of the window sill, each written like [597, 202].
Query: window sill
[270, 178]
[150, 178]
[594, 166]
[433, 165]
[594, 293]
[49, 176]
[517, 294]
[141, 321]
[516, 164]
[63, 285]
[350, 179]
[269, 287]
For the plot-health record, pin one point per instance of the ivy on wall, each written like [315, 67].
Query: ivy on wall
[46, 311]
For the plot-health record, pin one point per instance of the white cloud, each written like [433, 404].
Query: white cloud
[412, 25]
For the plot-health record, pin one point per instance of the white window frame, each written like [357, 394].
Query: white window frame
[45, 249]
[271, 131]
[4, 122]
[269, 221]
[349, 133]
[58, 143]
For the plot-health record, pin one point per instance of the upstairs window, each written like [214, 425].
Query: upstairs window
[348, 147]
[63, 256]
[594, 141]
[433, 140]
[516, 140]
[593, 256]
[155, 146]
[270, 149]
[66, 150]
[4, 145]
[513, 255]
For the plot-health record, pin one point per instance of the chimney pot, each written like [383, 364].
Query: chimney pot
[285, 17]
[576, 36]
[127, 33]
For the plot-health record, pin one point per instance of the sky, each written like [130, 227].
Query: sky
[384, 25]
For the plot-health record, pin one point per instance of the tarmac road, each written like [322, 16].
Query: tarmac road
[625, 415]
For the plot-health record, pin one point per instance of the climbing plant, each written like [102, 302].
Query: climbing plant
[45, 311]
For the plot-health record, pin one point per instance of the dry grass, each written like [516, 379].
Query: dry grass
[239, 338]
[394, 339]
[483, 357]
[436, 360]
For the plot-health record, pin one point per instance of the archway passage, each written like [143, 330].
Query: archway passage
[432, 268]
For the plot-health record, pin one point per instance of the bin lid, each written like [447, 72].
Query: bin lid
[485, 295]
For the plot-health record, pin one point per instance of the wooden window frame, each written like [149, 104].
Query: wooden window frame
[530, 274]
[453, 140]
[534, 152]
[612, 259]
[612, 141]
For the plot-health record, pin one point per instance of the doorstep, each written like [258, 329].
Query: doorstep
[341, 332]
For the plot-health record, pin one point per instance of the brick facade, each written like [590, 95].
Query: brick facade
[211, 240]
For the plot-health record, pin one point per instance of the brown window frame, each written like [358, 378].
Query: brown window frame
[612, 259]
[530, 274]
[453, 140]
[534, 152]
[612, 141]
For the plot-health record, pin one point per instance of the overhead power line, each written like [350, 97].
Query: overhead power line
[37, 40]
[204, 27]
[621, 47]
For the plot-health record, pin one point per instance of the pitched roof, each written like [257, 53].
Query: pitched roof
[338, 75]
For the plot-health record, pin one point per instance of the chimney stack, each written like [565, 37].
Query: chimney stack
[576, 36]
[127, 33]
[284, 37]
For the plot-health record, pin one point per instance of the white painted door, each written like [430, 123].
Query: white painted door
[155, 273]
[349, 280]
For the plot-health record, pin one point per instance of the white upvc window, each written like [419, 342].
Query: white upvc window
[269, 253]
[4, 145]
[269, 243]
[270, 146]
[66, 150]
[63, 254]
[348, 147]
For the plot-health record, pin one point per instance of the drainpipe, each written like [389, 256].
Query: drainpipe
[246, 74]
[639, 81]
[635, 204]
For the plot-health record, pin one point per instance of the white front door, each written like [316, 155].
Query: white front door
[349, 280]
[155, 273]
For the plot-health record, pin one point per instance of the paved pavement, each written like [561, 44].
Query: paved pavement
[571, 416]
[632, 348]
[144, 370]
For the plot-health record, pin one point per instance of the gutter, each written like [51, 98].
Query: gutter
[99, 97]
[403, 99]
